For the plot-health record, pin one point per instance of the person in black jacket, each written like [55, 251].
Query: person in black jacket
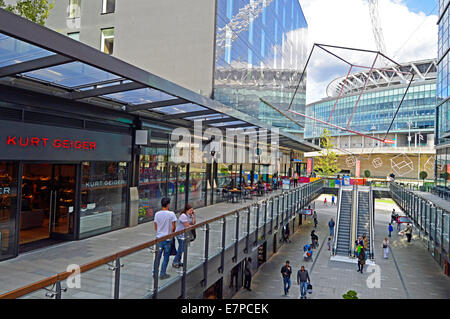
[248, 274]
[286, 272]
[302, 281]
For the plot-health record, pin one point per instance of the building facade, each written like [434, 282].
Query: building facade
[443, 92]
[260, 53]
[412, 132]
[235, 51]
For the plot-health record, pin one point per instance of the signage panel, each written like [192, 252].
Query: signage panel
[35, 142]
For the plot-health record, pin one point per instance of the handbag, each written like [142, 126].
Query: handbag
[384, 246]
[309, 289]
[173, 250]
[192, 235]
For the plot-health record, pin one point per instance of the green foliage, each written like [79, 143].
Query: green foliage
[34, 10]
[367, 173]
[327, 164]
[351, 294]
[423, 175]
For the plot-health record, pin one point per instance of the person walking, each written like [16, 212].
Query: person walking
[248, 274]
[361, 259]
[325, 202]
[331, 224]
[315, 219]
[186, 219]
[385, 248]
[332, 201]
[286, 272]
[303, 280]
[393, 216]
[164, 225]
[329, 243]
[391, 229]
[408, 232]
[314, 239]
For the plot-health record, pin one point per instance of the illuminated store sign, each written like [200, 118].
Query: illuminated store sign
[22, 141]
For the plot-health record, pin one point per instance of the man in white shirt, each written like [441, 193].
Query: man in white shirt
[164, 225]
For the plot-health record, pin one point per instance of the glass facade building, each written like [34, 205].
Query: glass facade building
[442, 140]
[375, 111]
[260, 53]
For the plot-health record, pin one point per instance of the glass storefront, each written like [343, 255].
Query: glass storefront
[104, 188]
[197, 185]
[8, 207]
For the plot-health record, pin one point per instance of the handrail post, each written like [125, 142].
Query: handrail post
[236, 244]
[185, 261]
[116, 269]
[206, 256]
[271, 216]
[265, 218]
[222, 254]
[156, 271]
[278, 212]
[255, 243]
[248, 229]
[58, 290]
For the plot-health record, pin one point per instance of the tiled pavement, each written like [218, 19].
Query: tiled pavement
[417, 275]
[136, 279]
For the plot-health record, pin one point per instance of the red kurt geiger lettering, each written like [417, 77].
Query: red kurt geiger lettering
[43, 142]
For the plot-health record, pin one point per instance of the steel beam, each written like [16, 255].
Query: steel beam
[189, 114]
[28, 66]
[153, 105]
[104, 91]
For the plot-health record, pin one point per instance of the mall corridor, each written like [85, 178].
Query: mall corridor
[409, 272]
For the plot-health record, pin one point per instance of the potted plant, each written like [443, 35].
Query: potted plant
[422, 176]
[351, 294]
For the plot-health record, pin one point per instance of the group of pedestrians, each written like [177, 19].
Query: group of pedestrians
[166, 223]
[303, 279]
[325, 201]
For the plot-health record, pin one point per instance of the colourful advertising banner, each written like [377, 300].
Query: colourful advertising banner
[358, 168]
[309, 166]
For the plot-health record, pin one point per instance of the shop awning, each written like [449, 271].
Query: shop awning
[79, 72]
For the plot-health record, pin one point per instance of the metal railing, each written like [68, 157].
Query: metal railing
[133, 273]
[354, 220]
[431, 220]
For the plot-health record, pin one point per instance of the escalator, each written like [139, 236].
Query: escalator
[365, 218]
[343, 227]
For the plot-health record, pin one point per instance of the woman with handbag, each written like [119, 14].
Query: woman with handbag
[186, 219]
[386, 247]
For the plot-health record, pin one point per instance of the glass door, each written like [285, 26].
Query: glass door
[62, 205]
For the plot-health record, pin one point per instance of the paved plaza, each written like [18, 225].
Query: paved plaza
[409, 272]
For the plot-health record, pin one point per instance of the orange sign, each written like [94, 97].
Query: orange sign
[388, 141]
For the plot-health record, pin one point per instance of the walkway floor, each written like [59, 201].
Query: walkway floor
[39, 264]
[409, 272]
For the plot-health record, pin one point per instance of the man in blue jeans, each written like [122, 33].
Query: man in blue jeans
[164, 225]
[286, 272]
[331, 224]
[302, 281]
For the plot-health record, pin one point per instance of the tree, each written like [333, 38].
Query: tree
[423, 175]
[34, 10]
[367, 173]
[351, 294]
[327, 163]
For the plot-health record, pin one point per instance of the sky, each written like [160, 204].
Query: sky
[409, 30]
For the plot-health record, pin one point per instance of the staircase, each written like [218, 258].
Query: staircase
[344, 224]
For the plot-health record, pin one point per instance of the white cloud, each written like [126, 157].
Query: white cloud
[347, 23]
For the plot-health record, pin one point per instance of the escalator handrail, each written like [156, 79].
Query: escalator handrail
[353, 220]
[336, 231]
[372, 222]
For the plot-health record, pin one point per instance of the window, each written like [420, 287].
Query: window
[109, 6]
[107, 41]
[74, 9]
[74, 35]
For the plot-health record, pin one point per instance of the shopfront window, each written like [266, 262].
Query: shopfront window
[197, 183]
[8, 208]
[153, 180]
[103, 197]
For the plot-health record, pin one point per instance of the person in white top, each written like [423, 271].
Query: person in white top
[164, 226]
[186, 219]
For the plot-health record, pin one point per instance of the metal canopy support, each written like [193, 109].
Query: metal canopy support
[223, 120]
[153, 105]
[104, 91]
[41, 63]
[189, 114]
[234, 126]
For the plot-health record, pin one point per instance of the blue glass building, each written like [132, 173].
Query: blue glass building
[443, 91]
[260, 53]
